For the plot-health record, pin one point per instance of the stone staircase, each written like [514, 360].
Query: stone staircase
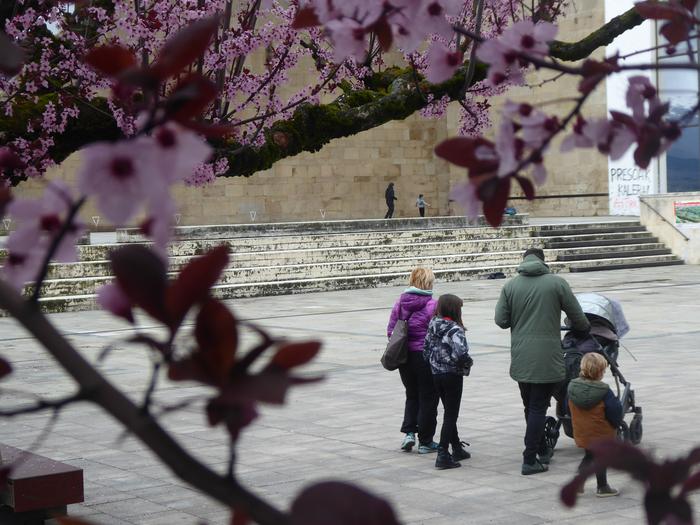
[270, 259]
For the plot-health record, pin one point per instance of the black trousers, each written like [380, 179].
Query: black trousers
[449, 388]
[421, 211]
[420, 411]
[536, 397]
[390, 211]
[601, 476]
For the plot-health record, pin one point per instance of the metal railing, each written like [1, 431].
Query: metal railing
[642, 201]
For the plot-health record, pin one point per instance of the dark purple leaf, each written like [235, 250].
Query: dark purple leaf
[190, 98]
[295, 354]
[217, 337]
[193, 284]
[305, 17]
[337, 503]
[527, 187]
[5, 368]
[494, 193]
[11, 56]
[111, 60]
[185, 47]
[662, 10]
[141, 275]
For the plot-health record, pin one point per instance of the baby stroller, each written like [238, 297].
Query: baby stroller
[608, 326]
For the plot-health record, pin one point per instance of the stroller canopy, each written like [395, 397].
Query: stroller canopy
[605, 308]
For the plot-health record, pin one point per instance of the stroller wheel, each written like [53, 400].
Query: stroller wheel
[623, 432]
[635, 431]
[551, 432]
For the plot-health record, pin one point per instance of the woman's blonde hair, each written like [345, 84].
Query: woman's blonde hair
[422, 278]
[593, 366]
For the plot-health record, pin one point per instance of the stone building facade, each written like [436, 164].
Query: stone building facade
[347, 178]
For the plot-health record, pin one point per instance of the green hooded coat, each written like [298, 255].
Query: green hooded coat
[530, 305]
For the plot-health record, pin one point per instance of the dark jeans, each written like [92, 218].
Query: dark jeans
[390, 211]
[420, 412]
[601, 476]
[449, 388]
[536, 397]
[421, 211]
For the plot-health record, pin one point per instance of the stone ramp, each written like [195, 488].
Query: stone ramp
[341, 255]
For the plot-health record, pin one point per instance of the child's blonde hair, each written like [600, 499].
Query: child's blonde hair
[422, 278]
[593, 366]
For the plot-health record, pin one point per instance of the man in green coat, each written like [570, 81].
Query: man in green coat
[530, 305]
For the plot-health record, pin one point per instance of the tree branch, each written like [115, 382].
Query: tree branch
[571, 51]
[98, 390]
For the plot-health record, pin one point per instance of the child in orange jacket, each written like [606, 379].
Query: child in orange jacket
[595, 413]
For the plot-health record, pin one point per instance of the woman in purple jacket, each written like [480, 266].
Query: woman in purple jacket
[420, 414]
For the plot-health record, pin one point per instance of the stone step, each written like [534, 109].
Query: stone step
[628, 265]
[587, 229]
[369, 280]
[230, 231]
[613, 254]
[600, 242]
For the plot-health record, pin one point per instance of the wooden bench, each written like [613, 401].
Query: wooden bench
[37, 488]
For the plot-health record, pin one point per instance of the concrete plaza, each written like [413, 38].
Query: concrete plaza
[347, 427]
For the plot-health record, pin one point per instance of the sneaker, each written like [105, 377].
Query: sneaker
[429, 448]
[458, 452]
[444, 460]
[535, 468]
[546, 456]
[606, 492]
[408, 442]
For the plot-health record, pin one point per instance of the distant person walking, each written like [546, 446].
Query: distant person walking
[530, 305]
[447, 351]
[420, 202]
[417, 305]
[595, 414]
[390, 198]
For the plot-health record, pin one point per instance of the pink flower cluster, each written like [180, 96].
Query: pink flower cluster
[645, 127]
[40, 222]
[507, 54]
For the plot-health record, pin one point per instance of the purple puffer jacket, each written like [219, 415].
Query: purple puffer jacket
[421, 309]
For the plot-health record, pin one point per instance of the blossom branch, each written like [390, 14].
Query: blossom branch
[146, 428]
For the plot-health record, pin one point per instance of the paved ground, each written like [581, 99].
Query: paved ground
[347, 426]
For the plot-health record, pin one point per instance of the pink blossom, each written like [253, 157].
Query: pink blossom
[179, 152]
[641, 90]
[539, 172]
[40, 221]
[465, 194]
[112, 298]
[442, 62]
[430, 16]
[508, 53]
[507, 148]
[348, 39]
[576, 139]
[529, 38]
[159, 223]
[121, 176]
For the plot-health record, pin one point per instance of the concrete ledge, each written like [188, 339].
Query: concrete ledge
[657, 213]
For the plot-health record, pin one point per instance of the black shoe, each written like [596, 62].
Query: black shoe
[545, 457]
[444, 460]
[534, 468]
[458, 452]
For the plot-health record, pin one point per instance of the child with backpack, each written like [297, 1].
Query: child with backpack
[595, 413]
[447, 352]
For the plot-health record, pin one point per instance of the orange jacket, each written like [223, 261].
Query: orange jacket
[590, 424]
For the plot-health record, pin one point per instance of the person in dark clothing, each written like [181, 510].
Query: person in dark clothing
[531, 305]
[595, 413]
[390, 198]
[447, 351]
[420, 411]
